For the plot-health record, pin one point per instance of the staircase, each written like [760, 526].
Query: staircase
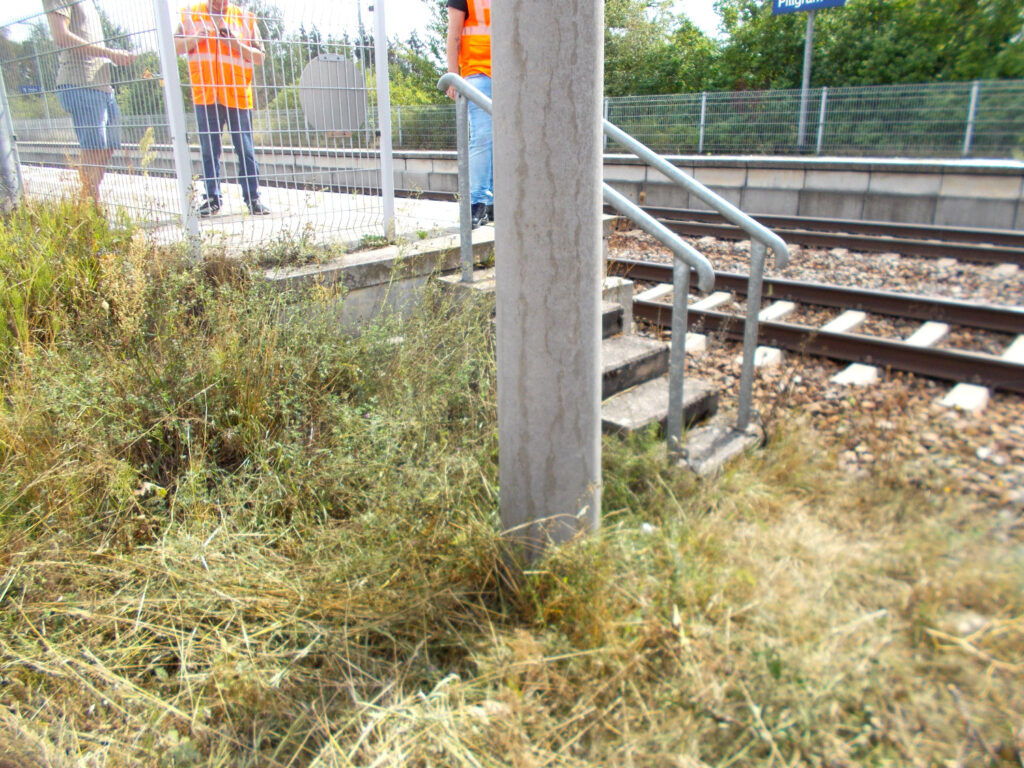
[635, 380]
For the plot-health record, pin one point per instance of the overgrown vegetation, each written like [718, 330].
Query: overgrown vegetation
[232, 536]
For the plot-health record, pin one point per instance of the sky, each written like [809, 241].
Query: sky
[401, 16]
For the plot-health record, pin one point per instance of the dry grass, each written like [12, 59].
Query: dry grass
[233, 537]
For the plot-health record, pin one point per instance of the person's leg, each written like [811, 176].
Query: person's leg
[240, 126]
[95, 161]
[89, 115]
[92, 166]
[481, 147]
[209, 124]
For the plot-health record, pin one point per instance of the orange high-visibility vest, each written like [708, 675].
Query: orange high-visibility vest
[475, 46]
[218, 74]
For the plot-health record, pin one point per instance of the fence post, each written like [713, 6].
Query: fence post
[821, 119]
[805, 85]
[703, 111]
[387, 163]
[972, 112]
[176, 122]
[10, 168]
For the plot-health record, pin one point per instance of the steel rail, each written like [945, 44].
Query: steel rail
[905, 230]
[932, 249]
[945, 364]
[989, 317]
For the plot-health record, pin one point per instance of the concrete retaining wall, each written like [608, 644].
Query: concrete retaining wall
[971, 193]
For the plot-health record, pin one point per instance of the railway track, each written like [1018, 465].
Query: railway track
[983, 246]
[953, 365]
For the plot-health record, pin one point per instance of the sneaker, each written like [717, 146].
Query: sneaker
[209, 207]
[478, 214]
[256, 208]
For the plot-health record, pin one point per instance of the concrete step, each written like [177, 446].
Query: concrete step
[630, 360]
[611, 318]
[647, 403]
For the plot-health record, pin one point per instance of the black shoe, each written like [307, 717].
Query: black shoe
[256, 208]
[209, 207]
[478, 214]
[490, 213]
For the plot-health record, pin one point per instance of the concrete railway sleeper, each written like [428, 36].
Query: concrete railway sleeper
[1002, 319]
[1002, 373]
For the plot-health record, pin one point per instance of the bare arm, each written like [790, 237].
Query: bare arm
[65, 38]
[456, 20]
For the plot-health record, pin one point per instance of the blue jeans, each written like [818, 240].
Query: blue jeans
[481, 146]
[94, 114]
[211, 119]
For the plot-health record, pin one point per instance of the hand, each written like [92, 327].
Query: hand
[451, 92]
[122, 58]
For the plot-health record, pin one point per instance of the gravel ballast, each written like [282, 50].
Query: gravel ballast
[899, 424]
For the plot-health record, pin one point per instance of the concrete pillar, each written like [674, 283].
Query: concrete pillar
[547, 81]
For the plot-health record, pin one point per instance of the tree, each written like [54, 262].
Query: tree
[868, 42]
[413, 72]
[649, 51]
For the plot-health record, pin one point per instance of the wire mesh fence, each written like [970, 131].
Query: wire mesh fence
[300, 138]
[971, 119]
[314, 147]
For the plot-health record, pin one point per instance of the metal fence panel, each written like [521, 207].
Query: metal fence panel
[315, 126]
[927, 120]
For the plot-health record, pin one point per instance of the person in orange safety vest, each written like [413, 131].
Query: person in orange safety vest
[223, 46]
[469, 54]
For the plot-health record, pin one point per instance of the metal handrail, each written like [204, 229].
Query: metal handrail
[761, 238]
[686, 256]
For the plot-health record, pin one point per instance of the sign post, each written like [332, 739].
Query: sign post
[780, 7]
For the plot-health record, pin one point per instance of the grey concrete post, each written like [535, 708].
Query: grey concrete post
[547, 64]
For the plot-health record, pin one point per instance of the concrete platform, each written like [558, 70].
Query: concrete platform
[647, 404]
[314, 217]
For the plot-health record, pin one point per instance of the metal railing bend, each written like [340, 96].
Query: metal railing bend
[761, 238]
[685, 255]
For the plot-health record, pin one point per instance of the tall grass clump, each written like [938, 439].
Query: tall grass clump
[232, 535]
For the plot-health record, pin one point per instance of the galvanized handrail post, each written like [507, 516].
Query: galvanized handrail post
[677, 359]
[465, 205]
[758, 256]
[464, 93]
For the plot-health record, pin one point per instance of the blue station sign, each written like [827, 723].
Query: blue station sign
[792, 6]
[27, 89]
